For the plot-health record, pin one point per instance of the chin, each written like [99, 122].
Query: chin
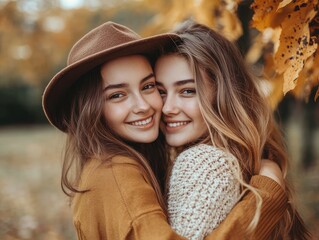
[175, 143]
[148, 139]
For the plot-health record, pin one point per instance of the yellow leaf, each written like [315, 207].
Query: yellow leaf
[308, 77]
[301, 90]
[264, 13]
[296, 46]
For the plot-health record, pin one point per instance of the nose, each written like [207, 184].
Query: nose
[140, 105]
[170, 106]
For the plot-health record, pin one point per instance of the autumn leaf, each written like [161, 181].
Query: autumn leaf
[304, 86]
[296, 46]
[308, 78]
[265, 14]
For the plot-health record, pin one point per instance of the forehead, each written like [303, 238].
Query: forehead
[171, 68]
[125, 69]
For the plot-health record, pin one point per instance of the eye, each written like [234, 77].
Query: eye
[188, 91]
[148, 86]
[116, 95]
[161, 91]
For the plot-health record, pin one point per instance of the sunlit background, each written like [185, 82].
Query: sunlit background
[35, 37]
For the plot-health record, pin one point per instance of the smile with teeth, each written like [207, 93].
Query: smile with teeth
[142, 123]
[176, 124]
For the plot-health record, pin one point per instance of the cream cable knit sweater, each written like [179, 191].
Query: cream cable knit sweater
[203, 188]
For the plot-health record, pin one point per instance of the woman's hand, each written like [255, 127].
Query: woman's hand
[272, 170]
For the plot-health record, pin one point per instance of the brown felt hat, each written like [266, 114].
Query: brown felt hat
[106, 42]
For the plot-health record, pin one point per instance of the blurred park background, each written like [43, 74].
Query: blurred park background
[35, 37]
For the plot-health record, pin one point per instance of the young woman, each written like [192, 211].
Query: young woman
[214, 111]
[115, 162]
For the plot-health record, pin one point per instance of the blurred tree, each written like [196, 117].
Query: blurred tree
[218, 14]
[34, 41]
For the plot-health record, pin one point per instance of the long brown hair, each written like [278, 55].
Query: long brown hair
[238, 115]
[88, 136]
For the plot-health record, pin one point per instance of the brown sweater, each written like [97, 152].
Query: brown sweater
[121, 204]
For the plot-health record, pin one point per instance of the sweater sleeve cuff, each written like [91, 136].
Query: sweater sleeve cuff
[274, 205]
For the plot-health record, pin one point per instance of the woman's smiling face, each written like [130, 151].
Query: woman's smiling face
[182, 121]
[133, 104]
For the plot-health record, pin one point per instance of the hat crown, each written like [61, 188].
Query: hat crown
[106, 36]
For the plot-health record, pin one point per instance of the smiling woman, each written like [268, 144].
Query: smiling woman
[107, 103]
[223, 128]
[132, 103]
[182, 118]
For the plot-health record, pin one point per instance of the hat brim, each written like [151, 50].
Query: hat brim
[58, 87]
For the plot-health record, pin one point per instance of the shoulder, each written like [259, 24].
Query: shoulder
[124, 160]
[120, 182]
[119, 168]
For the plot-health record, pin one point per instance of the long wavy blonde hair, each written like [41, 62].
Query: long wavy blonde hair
[238, 115]
[88, 136]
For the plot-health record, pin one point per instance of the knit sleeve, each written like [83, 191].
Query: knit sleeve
[203, 188]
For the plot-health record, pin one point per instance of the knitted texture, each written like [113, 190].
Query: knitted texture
[203, 188]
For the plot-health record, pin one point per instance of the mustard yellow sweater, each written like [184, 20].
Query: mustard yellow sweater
[121, 204]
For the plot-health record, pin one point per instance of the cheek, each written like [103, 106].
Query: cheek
[113, 114]
[196, 114]
[191, 107]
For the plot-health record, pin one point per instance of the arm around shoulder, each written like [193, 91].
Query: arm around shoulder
[274, 205]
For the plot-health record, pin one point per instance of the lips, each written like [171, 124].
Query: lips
[143, 122]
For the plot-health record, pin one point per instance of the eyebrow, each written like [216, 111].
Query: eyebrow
[123, 85]
[179, 83]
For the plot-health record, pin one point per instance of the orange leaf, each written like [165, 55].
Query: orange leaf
[308, 77]
[296, 46]
[268, 14]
